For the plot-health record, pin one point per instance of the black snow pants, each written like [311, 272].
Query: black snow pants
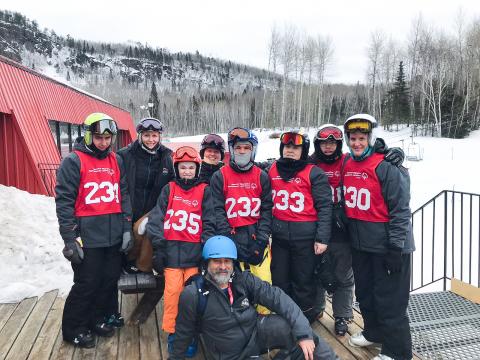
[93, 294]
[293, 264]
[274, 332]
[383, 300]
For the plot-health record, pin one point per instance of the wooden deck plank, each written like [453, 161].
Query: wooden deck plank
[128, 344]
[331, 340]
[26, 338]
[162, 336]
[149, 339]
[107, 348]
[6, 310]
[42, 349]
[360, 353]
[14, 325]
[61, 349]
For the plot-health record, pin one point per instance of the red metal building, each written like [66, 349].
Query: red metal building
[39, 121]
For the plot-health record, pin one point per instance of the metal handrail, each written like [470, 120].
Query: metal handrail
[451, 236]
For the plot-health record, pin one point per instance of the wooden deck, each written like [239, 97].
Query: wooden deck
[31, 329]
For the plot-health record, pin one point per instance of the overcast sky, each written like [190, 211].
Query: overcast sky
[239, 30]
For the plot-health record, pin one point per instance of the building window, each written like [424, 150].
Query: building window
[65, 134]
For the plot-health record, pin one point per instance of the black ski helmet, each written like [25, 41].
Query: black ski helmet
[213, 141]
[296, 138]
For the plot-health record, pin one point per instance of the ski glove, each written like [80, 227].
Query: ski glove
[158, 263]
[73, 251]
[142, 228]
[256, 252]
[325, 273]
[127, 242]
[393, 260]
[395, 156]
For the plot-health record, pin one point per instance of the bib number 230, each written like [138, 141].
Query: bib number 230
[359, 198]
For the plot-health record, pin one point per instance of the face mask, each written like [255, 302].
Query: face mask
[242, 160]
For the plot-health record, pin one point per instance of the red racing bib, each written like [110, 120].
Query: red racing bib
[292, 200]
[183, 219]
[99, 188]
[242, 191]
[363, 192]
[333, 172]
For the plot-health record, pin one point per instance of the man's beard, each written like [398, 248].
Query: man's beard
[221, 277]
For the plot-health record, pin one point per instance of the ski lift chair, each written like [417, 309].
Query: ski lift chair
[414, 152]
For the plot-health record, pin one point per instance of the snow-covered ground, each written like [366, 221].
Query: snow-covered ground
[31, 262]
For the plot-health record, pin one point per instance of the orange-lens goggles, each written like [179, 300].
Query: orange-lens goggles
[359, 125]
[291, 138]
[239, 133]
[188, 151]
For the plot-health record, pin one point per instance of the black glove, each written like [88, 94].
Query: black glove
[127, 242]
[256, 252]
[395, 156]
[393, 260]
[340, 219]
[158, 262]
[73, 251]
[325, 272]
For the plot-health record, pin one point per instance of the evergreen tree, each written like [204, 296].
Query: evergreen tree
[154, 100]
[397, 104]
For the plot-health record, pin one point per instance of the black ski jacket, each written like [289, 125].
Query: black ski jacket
[379, 237]
[179, 254]
[95, 231]
[229, 331]
[147, 174]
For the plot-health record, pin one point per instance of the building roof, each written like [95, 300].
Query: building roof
[33, 98]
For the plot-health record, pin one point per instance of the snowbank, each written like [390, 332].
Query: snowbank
[31, 260]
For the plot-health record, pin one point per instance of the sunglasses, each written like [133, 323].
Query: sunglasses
[213, 139]
[186, 151]
[359, 125]
[238, 134]
[104, 126]
[292, 138]
[151, 124]
[329, 133]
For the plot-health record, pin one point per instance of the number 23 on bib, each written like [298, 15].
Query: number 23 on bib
[98, 192]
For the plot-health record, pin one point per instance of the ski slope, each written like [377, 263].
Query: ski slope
[31, 261]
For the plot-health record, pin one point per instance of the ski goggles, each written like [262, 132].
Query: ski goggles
[239, 134]
[185, 151]
[150, 124]
[292, 138]
[213, 139]
[329, 132]
[103, 127]
[358, 125]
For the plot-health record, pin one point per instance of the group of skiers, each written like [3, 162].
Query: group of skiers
[303, 223]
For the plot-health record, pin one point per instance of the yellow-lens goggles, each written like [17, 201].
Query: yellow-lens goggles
[359, 125]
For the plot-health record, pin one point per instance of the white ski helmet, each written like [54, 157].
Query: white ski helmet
[364, 123]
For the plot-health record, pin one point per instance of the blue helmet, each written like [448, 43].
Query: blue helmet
[242, 134]
[219, 246]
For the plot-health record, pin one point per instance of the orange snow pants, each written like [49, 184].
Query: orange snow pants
[174, 284]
